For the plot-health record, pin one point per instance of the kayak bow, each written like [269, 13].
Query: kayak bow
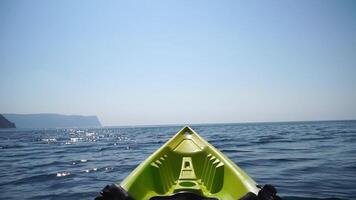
[186, 167]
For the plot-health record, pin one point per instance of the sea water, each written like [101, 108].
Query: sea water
[304, 160]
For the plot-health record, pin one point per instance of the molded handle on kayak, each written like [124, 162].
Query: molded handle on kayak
[183, 196]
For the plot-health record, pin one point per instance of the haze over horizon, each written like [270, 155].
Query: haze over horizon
[179, 62]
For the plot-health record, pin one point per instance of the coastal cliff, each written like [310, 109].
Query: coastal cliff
[46, 120]
[5, 123]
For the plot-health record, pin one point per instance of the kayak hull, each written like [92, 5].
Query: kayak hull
[188, 163]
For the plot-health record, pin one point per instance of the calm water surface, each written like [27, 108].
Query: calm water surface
[304, 160]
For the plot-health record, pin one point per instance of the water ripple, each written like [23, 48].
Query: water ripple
[305, 160]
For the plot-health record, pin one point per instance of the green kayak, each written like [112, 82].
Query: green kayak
[185, 167]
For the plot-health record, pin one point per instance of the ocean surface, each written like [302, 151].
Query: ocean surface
[304, 160]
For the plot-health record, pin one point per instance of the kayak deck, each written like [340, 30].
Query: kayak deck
[187, 163]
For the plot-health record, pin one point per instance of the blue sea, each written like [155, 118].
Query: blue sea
[304, 160]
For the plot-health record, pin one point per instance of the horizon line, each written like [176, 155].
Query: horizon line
[222, 123]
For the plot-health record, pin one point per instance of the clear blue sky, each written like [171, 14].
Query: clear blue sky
[159, 62]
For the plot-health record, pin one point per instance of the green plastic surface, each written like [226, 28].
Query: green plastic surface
[188, 163]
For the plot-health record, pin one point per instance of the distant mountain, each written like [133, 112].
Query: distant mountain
[46, 120]
[5, 123]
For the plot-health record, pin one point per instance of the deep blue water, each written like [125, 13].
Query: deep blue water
[304, 160]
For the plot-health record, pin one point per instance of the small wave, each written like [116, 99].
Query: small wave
[91, 170]
[11, 146]
[221, 140]
[49, 140]
[90, 134]
[31, 179]
[234, 150]
[75, 139]
[108, 168]
[123, 138]
[295, 159]
[75, 162]
[112, 147]
[48, 164]
[62, 174]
